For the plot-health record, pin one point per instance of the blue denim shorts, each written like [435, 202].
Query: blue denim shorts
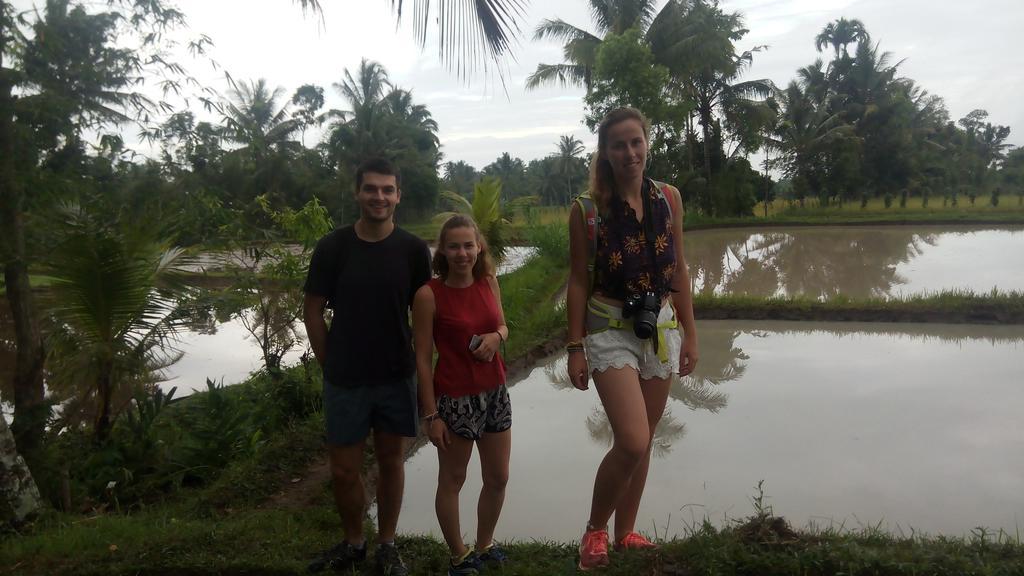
[351, 411]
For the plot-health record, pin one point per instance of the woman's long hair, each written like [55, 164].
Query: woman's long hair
[484, 266]
[602, 180]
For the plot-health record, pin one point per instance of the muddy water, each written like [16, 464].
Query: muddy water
[855, 261]
[906, 426]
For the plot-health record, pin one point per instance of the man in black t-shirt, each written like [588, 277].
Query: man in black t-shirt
[367, 274]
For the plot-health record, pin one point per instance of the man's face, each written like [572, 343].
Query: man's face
[377, 197]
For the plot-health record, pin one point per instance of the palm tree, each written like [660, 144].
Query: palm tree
[839, 34]
[255, 119]
[803, 136]
[567, 157]
[114, 298]
[487, 211]
[460, 177]
[360, 131]
[717, 92]
[580, 46]
[471, 32]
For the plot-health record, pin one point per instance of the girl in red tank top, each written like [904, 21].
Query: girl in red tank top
[463, 396]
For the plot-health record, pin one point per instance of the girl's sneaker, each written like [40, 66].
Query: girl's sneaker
[493, 555]
[468, 565]
[634, 541]
[593, 549]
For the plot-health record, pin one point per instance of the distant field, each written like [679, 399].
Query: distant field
[783, 212]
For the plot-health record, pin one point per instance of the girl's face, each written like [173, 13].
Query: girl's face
[626, 149]
[461, 249]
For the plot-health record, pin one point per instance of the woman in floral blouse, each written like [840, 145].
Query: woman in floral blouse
[632, 368]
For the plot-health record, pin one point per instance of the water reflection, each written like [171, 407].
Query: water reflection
[851, 422]
[856, 262]
[721, 361]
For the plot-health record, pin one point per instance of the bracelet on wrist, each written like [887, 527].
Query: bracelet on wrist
[431, 417]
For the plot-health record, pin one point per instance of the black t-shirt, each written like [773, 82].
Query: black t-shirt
[370, 287]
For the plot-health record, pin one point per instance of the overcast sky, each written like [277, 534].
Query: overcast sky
[951, 49]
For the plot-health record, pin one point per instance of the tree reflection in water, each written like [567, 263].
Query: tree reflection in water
[721, 361]
[819, 263]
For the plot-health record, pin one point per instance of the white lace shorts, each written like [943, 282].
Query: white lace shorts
[618, 348]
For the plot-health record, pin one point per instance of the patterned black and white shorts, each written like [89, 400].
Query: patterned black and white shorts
[471, 416]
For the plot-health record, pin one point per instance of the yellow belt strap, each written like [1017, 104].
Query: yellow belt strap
[620, 324]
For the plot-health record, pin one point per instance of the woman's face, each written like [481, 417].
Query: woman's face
[626, 149]
[461, 249]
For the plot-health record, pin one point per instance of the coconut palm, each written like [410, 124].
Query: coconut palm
[360, 132]
[471, 32]
[460, 177]
[114, 300]
[568, 161]
[804, 133]
[487, 211]
[839, 34]
[580, 47]
[255, 119]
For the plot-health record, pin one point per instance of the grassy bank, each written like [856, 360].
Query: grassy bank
[277, 542]
[951, 306]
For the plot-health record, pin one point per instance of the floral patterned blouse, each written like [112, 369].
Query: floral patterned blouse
[622, 264]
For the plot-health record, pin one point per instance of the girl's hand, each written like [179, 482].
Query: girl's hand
[579, 371]
[687, 356]
[437, 430]
[488, 347]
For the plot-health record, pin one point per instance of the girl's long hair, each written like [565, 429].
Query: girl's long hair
[602, 180]
[484, 266]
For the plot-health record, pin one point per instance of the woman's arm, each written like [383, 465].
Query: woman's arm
[576, 295]
[682, 298]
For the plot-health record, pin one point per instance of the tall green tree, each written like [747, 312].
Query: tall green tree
[570, 164]
[67, 77]
[840, 34]
[460, 177]
[383, 120]
[115, 300]
[580, 47]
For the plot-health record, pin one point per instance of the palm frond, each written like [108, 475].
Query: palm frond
[561, 74]
[470, 32]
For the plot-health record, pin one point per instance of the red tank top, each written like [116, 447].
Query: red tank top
[459, 313]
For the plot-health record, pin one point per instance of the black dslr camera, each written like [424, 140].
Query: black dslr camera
[644, 309]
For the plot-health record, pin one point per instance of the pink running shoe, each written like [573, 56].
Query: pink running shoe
[634, 541]
[593, 550]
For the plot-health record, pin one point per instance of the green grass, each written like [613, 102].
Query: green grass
[527, 297]
[263, 542]
[958, 306]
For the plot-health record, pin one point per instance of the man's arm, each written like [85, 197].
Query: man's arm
[316, 327]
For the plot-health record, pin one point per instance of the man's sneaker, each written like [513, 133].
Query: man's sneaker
[388, 562]
[468, 565]
[342, 557]
[593, 550]
[493, 555]
[634, 541]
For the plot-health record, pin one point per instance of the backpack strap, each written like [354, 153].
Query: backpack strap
[592, 223]
[668, 197]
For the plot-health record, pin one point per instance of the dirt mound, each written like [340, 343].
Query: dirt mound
[766, 530]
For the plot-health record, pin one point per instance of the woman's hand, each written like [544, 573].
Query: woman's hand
[579, 371]
[687, 356]
[489, 344]
[437, 431]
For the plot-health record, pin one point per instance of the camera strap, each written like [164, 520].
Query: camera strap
[648, 225]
